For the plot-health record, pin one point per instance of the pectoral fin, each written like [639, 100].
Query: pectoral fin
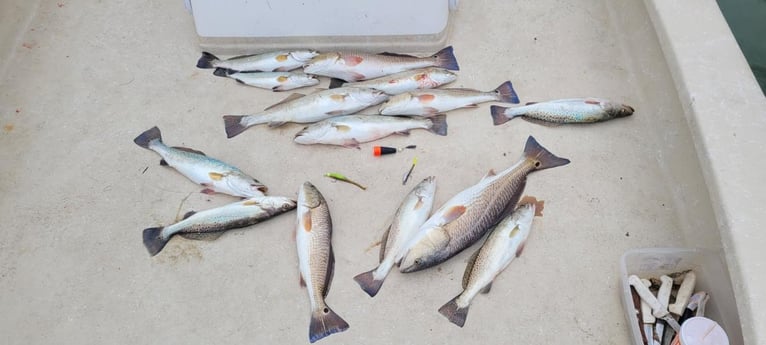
[453, 213]
[215, 176]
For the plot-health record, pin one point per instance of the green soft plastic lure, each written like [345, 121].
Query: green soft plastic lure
[341, 177]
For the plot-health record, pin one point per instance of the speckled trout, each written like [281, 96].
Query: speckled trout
[394, 84]
[432, 102]
[282, 61]
[577, 110]
[352, 130]
[465, 218]
[274, 81]
[504, 243]
[316, 260]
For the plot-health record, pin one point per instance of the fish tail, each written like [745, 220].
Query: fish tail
[445, 58]
[438, 124]
[147, 137]
[324, 322]
[506, 93]
[542, 157]
[498, 115]
[207, 60]
[368, 283]
[222, 72]
[454, 313]
[153, 240]
[336, 83]
[233, 124]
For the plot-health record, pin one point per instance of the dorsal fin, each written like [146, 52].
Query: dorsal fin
[186, 149]
[383, 245]
[397, 54]
[330, 273]
[469, 268]
[490, 173]
[290, 98]
[530, 103]
[189, 214]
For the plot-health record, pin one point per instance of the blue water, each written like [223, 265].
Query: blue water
[747, 20]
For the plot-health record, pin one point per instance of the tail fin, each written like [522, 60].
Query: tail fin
[542, 157]
[325, 322]
[446, 59]
[506, 93]
[153, 241]
[222, 72]
[439, 124]
[145, 138]
[207, 60]
[454, 313]
[336, 83]
[368, 283]
[498, 115]
[234, 125]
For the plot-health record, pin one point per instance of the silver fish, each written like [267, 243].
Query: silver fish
[412, 213]
[394, 84]
[353, 67]
[465, 218]
[432, 102]
[214, 175]
[352, 130]
[307, 108]
[577, 110]
[275, 81]
[316, 260]
[282, 61]
[209, 224]
[503, 244]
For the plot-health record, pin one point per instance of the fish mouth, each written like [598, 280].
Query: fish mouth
[301, 133]
[627, 110]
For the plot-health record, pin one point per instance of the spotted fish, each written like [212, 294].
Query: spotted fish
[394, 84]
[352, 130]
[432, 102]
[577, 110]
[282, 61]
[274, 81]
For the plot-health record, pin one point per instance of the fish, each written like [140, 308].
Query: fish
[210, 224]
[215, 175]
[282, 61]
[394, 84]
[576, 110]
[352, 130]
[310, 108]
[467, 216]
[504, 243]
[432, 102]
[412, 213]
[274, 81]
[316, 260]
[352, 67]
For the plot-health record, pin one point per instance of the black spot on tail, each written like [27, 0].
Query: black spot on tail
[325, 322]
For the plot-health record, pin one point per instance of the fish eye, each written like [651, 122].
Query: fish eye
[326, 310]
[537, 164]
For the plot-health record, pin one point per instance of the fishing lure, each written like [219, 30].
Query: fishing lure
[343, 178]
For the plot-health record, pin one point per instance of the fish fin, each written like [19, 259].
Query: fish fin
[307, 222]
[233, 125]
[471, 106]
[330, 272]
[368, 283]
[543, 158]
[207, 191]
[454, 313]
[430, 111]
[354, 144]
[292, 97]
[186, 149]
[201, 236]
[341, 128]
[153, 240]
[530, 103]
[403, 132]
[282, 69]
[352, 60]
[511, 206]
[301, 282]
[438, 124]
[418, 204]
[469, 268]
[592, 101]
[383, 242]
[520, 248]
[215, 176]
[335, 112]
[146, 138]
[445, 58]
[325, 322]
[453, 213]
[540, 122]
[506, 93]
[222, 72]
[188, 214]
[163, 162]
[486, 289]
[274, 124]
[426, 97]
[396, 54]
[498, 115]
[207, 60]
[336, 83]
[539, 204]
[490, 173]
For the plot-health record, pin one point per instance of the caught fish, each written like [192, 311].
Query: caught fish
[577, 110]
[412, 213]
[353, 67]
[316, 260]
[503, 244]
[432, 102]
[394, 84]
[465, 218]
[352, 130]
[282, 61]
[275, 81]
[209, 224]
[214, 175]
[307, 108]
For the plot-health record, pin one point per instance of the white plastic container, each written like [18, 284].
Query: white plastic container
[712, 277]
[253, 26]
